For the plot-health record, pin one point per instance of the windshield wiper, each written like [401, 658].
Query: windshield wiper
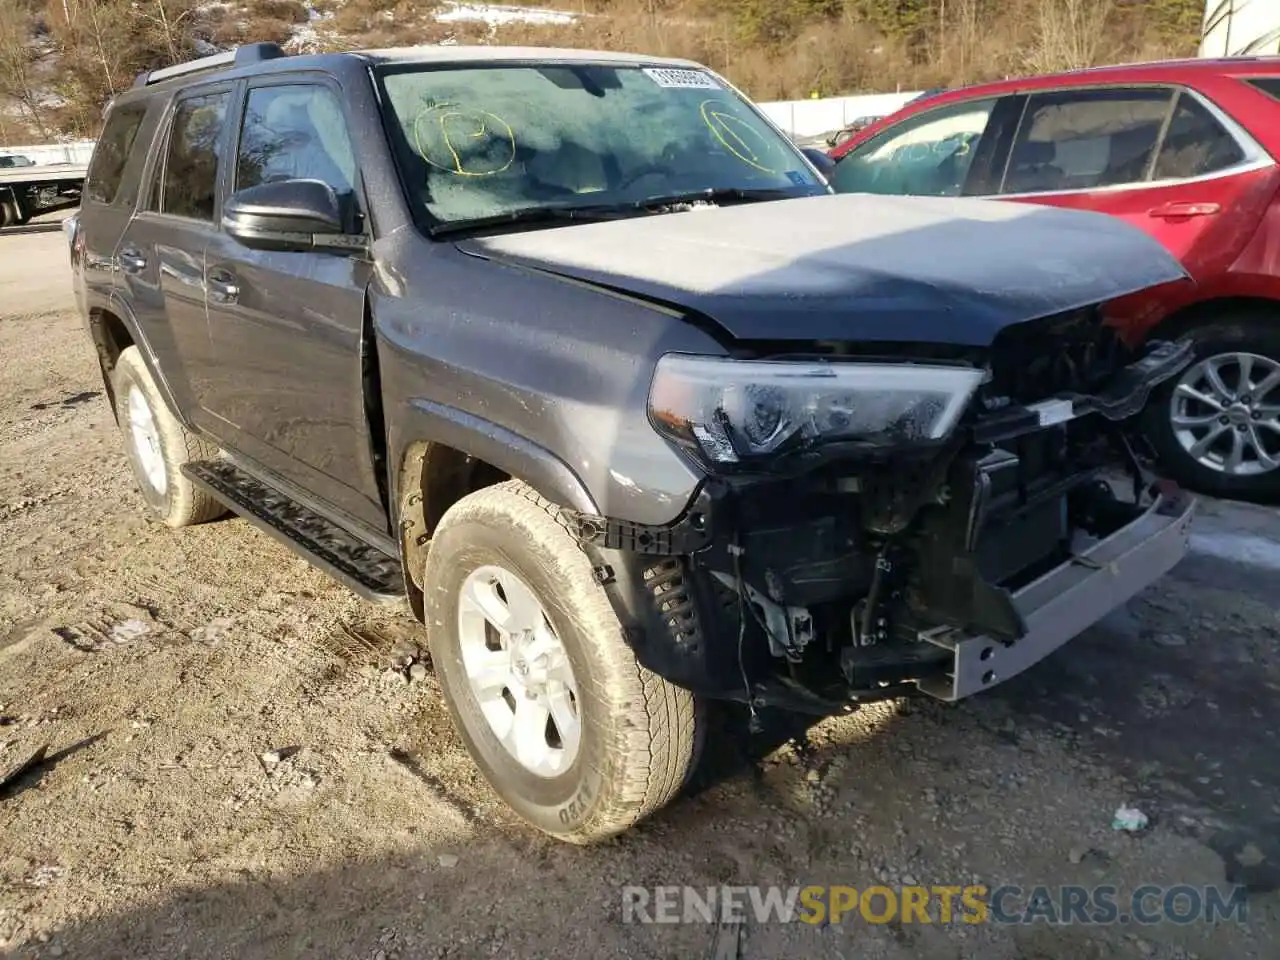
[585, 213]
[595, 212]
[720, 195]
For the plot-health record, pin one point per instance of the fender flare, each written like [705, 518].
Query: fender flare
[428, 422]
[116, 305]
[422, 425]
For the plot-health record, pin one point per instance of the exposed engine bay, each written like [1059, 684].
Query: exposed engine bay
[832, 582]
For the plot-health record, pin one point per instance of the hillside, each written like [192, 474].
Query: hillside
[61, 60]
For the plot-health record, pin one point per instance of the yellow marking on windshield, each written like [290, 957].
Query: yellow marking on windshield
[729, 130]
[452, 125]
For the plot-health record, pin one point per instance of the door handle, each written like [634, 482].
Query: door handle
[132, 261]
[1172, 210]
[222, 287]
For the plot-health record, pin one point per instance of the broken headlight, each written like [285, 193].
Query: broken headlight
[730, 410]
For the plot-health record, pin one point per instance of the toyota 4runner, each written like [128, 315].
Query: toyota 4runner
[577, 353]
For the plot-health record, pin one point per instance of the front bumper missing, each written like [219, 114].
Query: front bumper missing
[1068, 599]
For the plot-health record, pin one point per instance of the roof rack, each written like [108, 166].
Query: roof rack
[249, 53]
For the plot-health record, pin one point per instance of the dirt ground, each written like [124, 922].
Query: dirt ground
[159, 666]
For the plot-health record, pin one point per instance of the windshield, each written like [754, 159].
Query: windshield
[477, 143]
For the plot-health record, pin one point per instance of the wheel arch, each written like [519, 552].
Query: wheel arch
[1203, 312]
[111, 337]
[441, 454]
[1226, 320]
[113, 329]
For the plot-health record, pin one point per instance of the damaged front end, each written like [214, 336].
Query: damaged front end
[920, 519]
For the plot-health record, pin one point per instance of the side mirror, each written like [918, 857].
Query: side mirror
[819, 159]
[289, 215]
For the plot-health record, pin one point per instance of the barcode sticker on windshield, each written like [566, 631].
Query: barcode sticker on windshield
[674, 79]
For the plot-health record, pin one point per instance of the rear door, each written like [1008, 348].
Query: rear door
[1162, 158]
[161, 257]
[286, 328]
[105, 206]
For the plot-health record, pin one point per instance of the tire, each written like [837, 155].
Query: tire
[13, 213]
[171, 497]
[639, 734]
[1255, 334]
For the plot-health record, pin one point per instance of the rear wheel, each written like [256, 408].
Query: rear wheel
[572, 732]
[1216, 428]
[13, 213]
[158, 445]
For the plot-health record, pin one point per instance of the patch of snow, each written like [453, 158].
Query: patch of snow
[496, 15]
[1238, 547]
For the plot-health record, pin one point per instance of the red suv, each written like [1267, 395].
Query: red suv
[1184, 149]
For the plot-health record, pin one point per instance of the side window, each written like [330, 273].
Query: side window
[190, 181]
[106, 169]
[1270, 85]
[1196, 143]
[295, 132]
[927, 155]
[1085, 139]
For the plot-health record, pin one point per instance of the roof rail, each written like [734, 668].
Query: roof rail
[249, 53]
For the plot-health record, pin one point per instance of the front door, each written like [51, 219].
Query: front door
[286, 328]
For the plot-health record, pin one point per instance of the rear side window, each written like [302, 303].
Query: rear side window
[1196, 144]
[1085, 139]
[190, 183]
[106, 170]
[1269, 85]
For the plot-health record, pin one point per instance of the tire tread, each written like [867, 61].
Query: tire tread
[188, 504]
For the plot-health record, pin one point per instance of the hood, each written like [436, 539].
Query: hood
[855, 266]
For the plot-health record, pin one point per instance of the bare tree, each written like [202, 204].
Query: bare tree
[962, 34]
[1072, 34]
[169, 20]
[18, 56]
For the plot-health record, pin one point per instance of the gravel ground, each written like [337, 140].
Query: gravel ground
[160, 669]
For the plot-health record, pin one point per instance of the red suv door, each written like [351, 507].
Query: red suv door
[1165, 159]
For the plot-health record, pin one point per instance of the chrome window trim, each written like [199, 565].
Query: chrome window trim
[1255, 155]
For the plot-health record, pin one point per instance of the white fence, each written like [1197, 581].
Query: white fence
[44, 154]
[807, 118]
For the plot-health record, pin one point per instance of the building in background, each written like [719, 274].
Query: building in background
[1235, 28]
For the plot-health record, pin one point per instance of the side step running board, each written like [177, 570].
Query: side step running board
[364, 569]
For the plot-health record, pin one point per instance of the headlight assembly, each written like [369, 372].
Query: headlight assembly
[730, 411]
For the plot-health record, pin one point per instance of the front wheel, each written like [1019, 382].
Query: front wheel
[579, 738]
[1216, 428]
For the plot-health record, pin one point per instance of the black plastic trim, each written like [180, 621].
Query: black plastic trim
[371, 573]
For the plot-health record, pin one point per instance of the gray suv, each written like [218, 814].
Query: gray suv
[577, 354]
